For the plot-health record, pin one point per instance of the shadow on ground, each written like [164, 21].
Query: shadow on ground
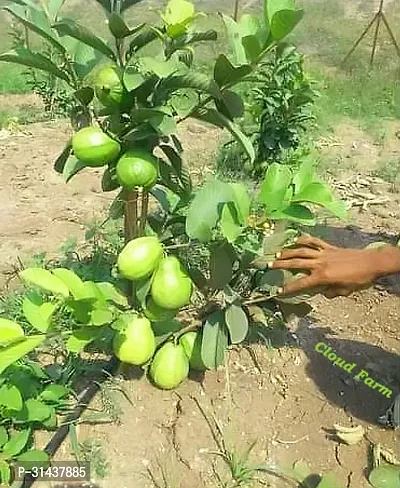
[360, 397]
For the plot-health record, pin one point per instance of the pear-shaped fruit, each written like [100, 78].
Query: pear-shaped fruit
[94, 148]
[137, 168]
[191, 343]
[158, 314]
[170, 366]
[171, 287]
[136, 343]
[108, 87]
[140, 257]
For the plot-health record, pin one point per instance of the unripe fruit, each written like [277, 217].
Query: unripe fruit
[170, 366]
[137, 168]
[140, 257]
[136, 344]
[171, 287]
[191, 343]
[158, 314]
[109, 88]
[94, 147]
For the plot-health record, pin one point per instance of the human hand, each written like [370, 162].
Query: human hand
[339, 271]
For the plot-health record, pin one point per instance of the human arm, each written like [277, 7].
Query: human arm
[340, 271]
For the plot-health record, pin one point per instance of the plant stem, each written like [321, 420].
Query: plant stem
[178, 246]
[144, 211]
[131, 215]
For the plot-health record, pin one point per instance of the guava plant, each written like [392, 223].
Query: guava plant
[198, 255]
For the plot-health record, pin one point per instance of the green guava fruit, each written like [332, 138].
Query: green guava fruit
[137, 168]
[158, 314]
[136, 344]
[171, 287]
[140, 257]
[170, 366]
[109, 88]
[191, 343]
[94, 147]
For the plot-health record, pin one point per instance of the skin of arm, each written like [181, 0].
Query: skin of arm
[339, 271]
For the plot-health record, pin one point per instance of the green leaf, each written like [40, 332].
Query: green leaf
[178, 12]
[142, 290]
[54, 7]
[160, 67]
[71, 168]
[221, 266]
[68, 27]
[214, 117]
[16, 443]
[3, 435]
[235, 39]
[10, 331]
[141, 40]
[229, 223]
[214, 340]
[329, 481]
[34, 411]
[320, 194]
[25, 57]
[295, 213]
[80, 338]
[39, 316]
[231, 105]
[118, 27]
[14, 352]
[181, 170]
[237, 323]
[10, 397]
[274, 187]
[225, 73]
[241, 201]
[112, 294]
[19, 13]
[63, 158]
[72, 281]
[191, 80]
[54, 393]
[282, 17]
[101, 316]
[44, 279]
[204, 210]
[34, 456]
[304, 175]
[132, 78]
[385, 476]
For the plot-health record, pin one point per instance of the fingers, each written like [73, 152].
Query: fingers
[314, 242]
[301, 252]
[294, 263]
[300, 285]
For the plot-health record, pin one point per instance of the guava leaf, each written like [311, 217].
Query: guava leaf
[12, 353]
[385, 476]
[16, 443]
[72, 167]
[319, 194]
[221, 266]
[204, 210]
[274, 187]
[225, 72]
[34, 456]
[10, 397]
[112, 294]
[42, 278]
[74, 284]
[132, 78]
[20, 14]
[69, 27]
[229, 222]
[295, 213]
[39, 316]
[3, 435]
[235, 39]
[237, 323]
[33, 411]
[10, 331]
[53, 393]
[25, 57]
[214, 340]
[62, 159]
[119, 28]
[80, 338]
[282, 17]
[242, 201]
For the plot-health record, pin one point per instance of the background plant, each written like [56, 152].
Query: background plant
[278, 112]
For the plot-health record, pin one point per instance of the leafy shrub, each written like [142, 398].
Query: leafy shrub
[278, 112]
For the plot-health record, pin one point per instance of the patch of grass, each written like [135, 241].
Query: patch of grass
[12, 118]
[12, 79]
[92, 451]
[389, 171]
